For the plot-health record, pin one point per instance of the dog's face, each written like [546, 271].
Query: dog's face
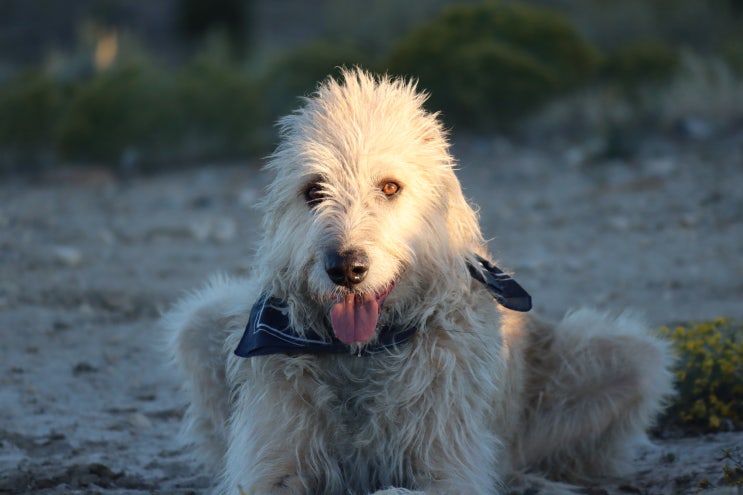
[365, 209]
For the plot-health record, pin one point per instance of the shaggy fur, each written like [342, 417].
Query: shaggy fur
[481, 396]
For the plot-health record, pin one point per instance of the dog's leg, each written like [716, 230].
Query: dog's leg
[278, 433]
[196, 328]
[594, 384]
[455, 450]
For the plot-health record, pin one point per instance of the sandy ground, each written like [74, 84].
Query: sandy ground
[87, 262]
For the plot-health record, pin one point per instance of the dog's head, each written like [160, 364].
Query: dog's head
[365, 218]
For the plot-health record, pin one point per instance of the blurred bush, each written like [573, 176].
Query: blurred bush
[134, 115]
[120, 113]
[297, 72]
[197, 19]
[30, 105]
[220, 109]
[486, 66]
[733, 55]
[709, 375]
[641, 63]
[141, 115]
[489, 65]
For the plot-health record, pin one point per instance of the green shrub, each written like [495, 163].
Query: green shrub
[135, 114]
[489, 65]
[220, 109]
[29, 108]
[733, 55]
[197, 19]
[298, 72]
[641, 63]
[127, 108]
[709, 375]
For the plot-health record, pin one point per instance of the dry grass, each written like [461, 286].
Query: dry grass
[706, 88]
[706, 92]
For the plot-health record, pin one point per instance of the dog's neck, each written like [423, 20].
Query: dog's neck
[269, 329]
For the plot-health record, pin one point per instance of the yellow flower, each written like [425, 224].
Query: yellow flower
[714, 422]
[709, 374]
[698, 409]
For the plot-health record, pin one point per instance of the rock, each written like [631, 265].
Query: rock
[83, 368]
[224, 230]
[620, 223]
[689, 220]
[140, 421]
[661, 166]
[696, 128]
[248, 197]
[199, 229]
[67, 255]
[107, 237]
[216, 229]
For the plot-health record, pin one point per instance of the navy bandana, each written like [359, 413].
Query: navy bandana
[501, 286]
[269, 330]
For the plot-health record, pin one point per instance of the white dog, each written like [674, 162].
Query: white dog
[380, 354]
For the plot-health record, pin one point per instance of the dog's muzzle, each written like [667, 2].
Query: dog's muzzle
[355, 313]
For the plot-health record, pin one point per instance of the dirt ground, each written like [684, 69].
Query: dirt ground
[88, 260]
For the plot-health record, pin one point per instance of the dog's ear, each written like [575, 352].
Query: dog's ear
[461, 219]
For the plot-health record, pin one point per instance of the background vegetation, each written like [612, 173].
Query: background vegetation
[121, 95]
[709, 376]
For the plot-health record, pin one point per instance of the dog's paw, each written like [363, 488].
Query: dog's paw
[533, 484]
[290, 484]
[397, 491]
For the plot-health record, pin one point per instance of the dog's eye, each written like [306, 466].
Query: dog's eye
[314, 194]
[390, 188]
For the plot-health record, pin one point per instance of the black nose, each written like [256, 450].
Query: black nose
[347, 268]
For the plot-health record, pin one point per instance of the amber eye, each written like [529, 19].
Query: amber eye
[390, 188]
[314, 194]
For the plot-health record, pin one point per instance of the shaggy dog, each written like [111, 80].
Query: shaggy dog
[380, 353]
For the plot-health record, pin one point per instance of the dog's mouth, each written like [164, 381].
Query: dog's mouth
[354, 316]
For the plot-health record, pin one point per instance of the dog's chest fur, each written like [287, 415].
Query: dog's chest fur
[359, 402]
[364, 393]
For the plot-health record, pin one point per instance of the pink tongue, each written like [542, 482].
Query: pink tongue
[355, 318]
